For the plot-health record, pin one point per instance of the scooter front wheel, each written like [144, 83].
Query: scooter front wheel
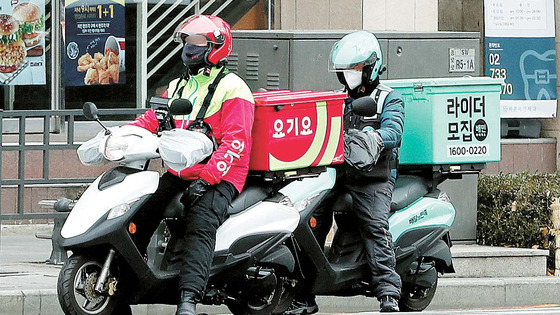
[76, 293]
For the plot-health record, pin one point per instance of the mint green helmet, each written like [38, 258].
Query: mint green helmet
[358, 50]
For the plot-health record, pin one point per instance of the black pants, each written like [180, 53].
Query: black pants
[372, 205]
[201, 222]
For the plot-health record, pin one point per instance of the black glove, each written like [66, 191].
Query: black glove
[194, 192]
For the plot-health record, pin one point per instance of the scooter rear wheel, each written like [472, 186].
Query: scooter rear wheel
[256, 303]
[416, 298]
[76, 293]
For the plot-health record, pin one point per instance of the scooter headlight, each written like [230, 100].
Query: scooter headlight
[115, 147]
[120, 210]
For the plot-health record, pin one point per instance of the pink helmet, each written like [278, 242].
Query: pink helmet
[216, 31]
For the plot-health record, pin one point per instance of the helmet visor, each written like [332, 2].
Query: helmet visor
[178, 35]
[196, 29]
[347, 60]
[353, 52]
[197, 40]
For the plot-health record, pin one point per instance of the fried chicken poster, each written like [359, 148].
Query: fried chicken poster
[94, 42]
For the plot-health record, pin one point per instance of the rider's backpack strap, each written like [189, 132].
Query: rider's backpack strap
[211, 90]
[199, 124]
[379, 94]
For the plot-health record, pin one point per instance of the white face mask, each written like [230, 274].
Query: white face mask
[353, 78]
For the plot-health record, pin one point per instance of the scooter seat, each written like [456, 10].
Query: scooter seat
[407, 189]
[248, 197]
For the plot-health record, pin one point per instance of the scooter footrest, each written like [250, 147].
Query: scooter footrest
[168, 274]
[338, 268]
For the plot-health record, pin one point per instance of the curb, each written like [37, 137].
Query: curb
[452, 293]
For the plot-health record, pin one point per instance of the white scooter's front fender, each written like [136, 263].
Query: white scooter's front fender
[95, 203]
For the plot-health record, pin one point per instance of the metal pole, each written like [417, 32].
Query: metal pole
[269, 15]
[142, 54]
[9, 94]
[56, 57]
[57, 90]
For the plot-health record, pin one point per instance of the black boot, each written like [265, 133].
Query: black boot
[187, 305]
[389, 304]
[308, 306]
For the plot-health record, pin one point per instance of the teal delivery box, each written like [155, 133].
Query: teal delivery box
[450, 120]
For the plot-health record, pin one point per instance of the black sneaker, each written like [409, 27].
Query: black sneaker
[302, 307]
[389, 304]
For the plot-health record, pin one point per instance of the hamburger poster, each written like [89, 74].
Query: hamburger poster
[22, 42]
[94, 42]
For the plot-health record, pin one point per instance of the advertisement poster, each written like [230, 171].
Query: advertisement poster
[22, 42]
[519, 47]
[94, 42]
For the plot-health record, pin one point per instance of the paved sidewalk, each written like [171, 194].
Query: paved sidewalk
[28, 285]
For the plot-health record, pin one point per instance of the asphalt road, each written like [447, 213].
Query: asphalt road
[533, 310]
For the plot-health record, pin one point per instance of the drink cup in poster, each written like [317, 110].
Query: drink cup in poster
[117, 45]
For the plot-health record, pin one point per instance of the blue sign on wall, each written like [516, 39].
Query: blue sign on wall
[520, 48]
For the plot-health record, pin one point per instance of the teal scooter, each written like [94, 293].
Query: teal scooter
[421, 216]
[419, 223]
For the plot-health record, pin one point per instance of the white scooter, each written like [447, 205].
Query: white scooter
[264, 251]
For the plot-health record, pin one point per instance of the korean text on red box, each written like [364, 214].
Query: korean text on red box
[297, 129]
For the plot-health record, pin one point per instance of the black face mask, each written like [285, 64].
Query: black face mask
[193, 55]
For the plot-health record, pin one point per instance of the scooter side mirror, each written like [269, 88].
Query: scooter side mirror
[90, 111]
[364, 106]
[180, 106]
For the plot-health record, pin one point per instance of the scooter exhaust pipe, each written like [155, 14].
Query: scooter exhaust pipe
[100, 285]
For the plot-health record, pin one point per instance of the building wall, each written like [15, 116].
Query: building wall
[461, 15]
[405, 15]
[255, 19]
[319, 14]
[551, 127]
[518, 155]
[357, 14]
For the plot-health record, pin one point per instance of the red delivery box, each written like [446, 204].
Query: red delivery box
[297, 129]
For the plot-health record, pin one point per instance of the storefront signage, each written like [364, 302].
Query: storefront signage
[22, 42]
[467, 128]
[520, 48]
[94, 42]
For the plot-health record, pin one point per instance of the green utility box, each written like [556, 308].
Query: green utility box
[450, 121]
